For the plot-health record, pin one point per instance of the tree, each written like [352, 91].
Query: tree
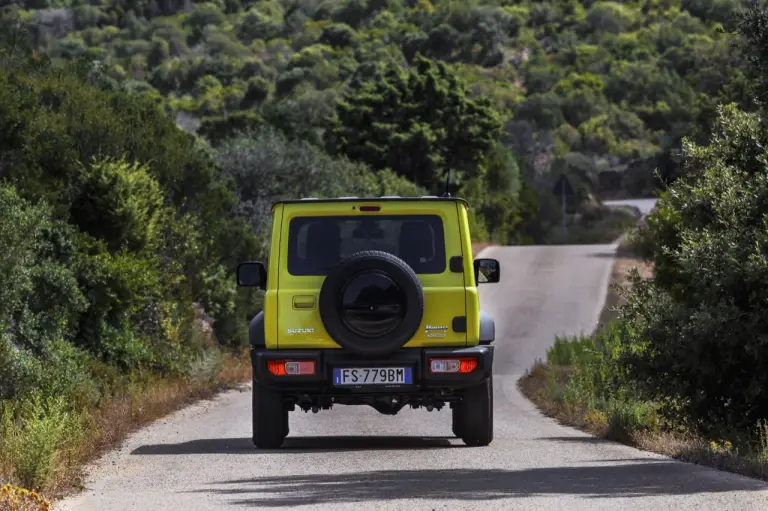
[263, 21]
[700, 336]
[267, 165]
[420, 122]
[609, 16]
[753, 28]
[256, 93]
[338, 35]
[202, 15]
[501, 208]
[158, 54]
[217, 129]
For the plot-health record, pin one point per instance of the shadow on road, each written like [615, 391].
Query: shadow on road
[298, 445]
[587, 439]
[628, 480]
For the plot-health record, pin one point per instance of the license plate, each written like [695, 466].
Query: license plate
[372, 375]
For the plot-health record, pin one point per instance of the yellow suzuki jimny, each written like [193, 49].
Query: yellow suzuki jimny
[371, 301]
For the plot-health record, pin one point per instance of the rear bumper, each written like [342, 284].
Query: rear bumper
[321, 383]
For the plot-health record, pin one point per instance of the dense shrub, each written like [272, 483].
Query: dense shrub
[114, 223]
[118, 239]
[697, 335]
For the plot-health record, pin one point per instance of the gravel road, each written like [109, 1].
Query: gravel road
[201, 458]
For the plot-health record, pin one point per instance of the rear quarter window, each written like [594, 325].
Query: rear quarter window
[317, 244]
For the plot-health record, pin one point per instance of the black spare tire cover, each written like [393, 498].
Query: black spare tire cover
[372, 303]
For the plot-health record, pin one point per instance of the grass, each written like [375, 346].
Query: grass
[44, 445]
[637, 424]
[556, 388]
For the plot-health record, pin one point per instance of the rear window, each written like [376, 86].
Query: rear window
[317, 244]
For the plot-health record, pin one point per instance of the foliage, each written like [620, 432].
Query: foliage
[752, 26]
[604, 91]
[687, 351]
[701, 320]
[417, 121]
[496, 194]
[691, 340]
[116, 229]
[267, 166]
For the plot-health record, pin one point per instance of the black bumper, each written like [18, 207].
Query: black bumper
[415, 358]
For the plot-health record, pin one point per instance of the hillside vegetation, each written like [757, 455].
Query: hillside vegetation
[117, 240]
[601, 91]
[683, 367]
[142, 142]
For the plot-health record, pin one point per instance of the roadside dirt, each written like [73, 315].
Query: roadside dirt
[626, 259]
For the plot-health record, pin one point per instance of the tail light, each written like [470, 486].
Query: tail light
[458, 365]
[291, 367]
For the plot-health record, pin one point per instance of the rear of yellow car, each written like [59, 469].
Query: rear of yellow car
[371, 301]
[429, 236]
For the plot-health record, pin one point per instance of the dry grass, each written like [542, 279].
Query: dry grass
[537, 386]
[13, 498]
[542, 384]
[117, 417]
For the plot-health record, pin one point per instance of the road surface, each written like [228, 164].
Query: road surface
[353, 458]
[643, 205]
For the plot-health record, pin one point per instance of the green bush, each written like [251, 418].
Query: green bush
[114, 165]
[119, 203]
[571, 351]
[698, 327]
[33, 432]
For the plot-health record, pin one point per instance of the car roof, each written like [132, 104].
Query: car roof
[386, 198]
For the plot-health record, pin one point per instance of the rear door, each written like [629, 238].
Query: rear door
[423, 233]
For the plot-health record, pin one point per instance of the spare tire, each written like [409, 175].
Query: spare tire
[371, 303]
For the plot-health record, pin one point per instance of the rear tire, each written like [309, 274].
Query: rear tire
[476, 415]
[457, 416]
[270, 418]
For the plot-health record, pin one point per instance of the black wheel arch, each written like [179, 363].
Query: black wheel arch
[256, 331]
[487, 328]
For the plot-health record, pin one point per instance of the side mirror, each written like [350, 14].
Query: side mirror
[251, 274]
[487, 271]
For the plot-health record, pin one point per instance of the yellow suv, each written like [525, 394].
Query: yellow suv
[371, 301]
